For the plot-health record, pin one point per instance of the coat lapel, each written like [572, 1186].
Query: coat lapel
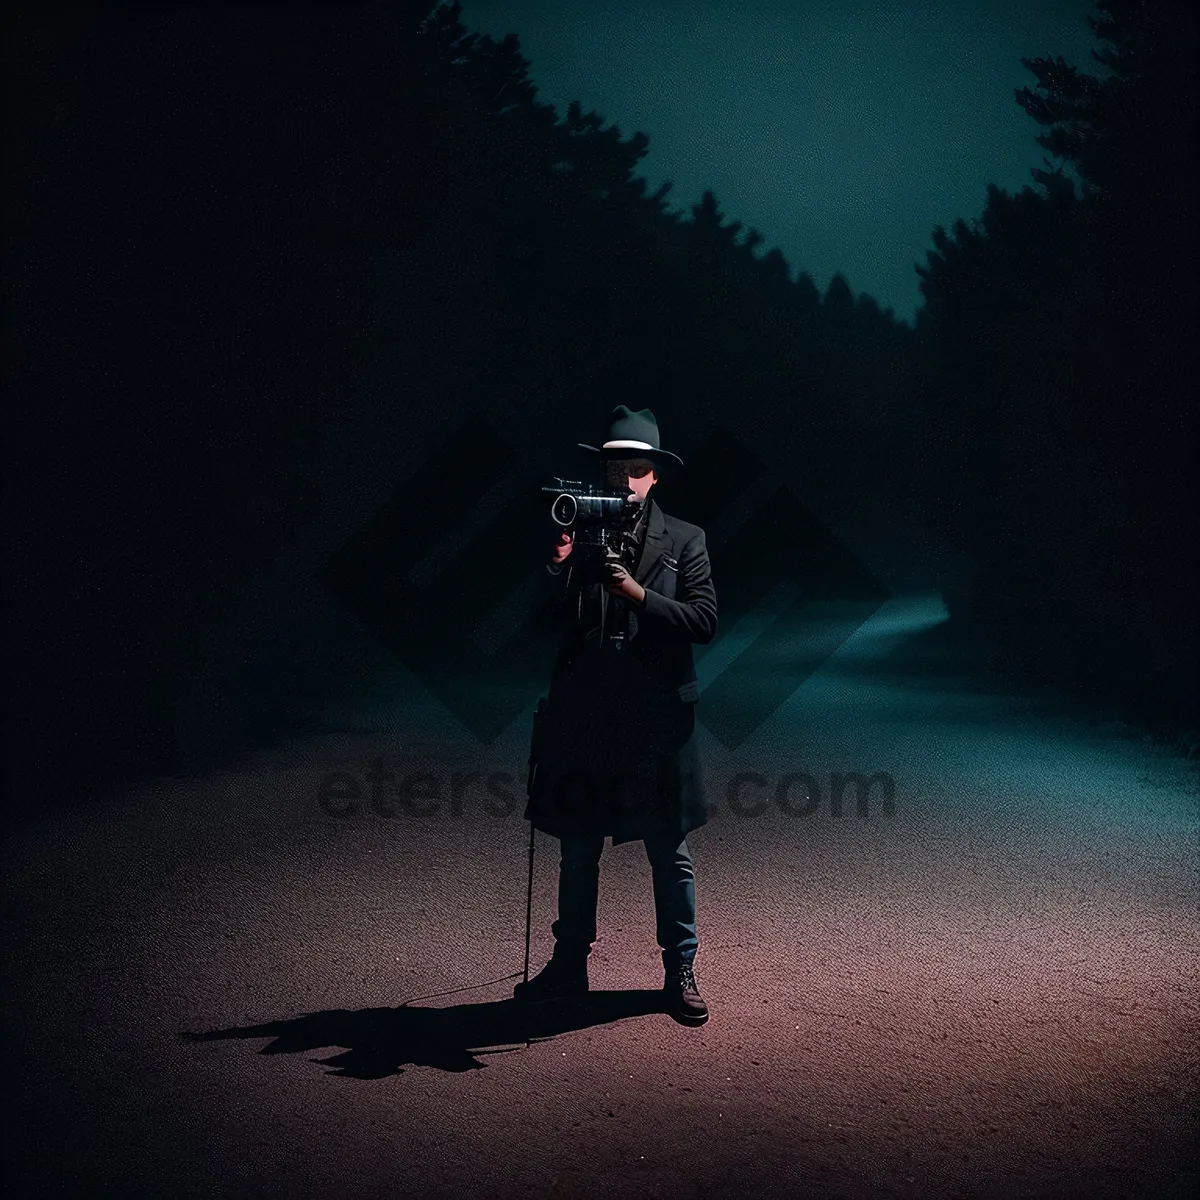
[656, 542]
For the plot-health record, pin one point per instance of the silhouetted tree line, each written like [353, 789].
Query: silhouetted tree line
[265, 252]
[1061, 328]
[262, 254]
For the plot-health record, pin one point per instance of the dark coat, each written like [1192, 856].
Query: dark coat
[613, 748]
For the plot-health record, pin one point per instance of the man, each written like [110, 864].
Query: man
[614, 754]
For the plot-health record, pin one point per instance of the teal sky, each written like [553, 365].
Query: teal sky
[843, 130]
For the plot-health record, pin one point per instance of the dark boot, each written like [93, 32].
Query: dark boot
[564, 975]
[683, 998]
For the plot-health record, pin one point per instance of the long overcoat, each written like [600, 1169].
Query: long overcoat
[613, 749]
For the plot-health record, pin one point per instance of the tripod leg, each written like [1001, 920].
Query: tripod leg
[529, 901]
[528, 917]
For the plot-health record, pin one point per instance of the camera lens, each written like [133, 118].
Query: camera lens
[564, 509]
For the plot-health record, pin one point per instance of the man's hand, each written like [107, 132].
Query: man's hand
[564, 543]
[621, 583]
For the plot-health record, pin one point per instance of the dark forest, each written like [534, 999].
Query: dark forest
[252, 249]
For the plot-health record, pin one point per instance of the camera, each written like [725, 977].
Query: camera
[602, 521]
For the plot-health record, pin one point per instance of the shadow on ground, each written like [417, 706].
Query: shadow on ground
[380, 1041]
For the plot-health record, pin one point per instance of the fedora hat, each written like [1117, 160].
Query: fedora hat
[633, 435]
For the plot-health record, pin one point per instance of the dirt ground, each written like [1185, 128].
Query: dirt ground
[990, 992]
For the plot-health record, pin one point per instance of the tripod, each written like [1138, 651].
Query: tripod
[529, 914]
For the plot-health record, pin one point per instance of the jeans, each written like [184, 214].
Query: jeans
[674, 896]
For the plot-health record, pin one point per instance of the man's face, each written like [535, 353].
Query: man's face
[636, 475]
